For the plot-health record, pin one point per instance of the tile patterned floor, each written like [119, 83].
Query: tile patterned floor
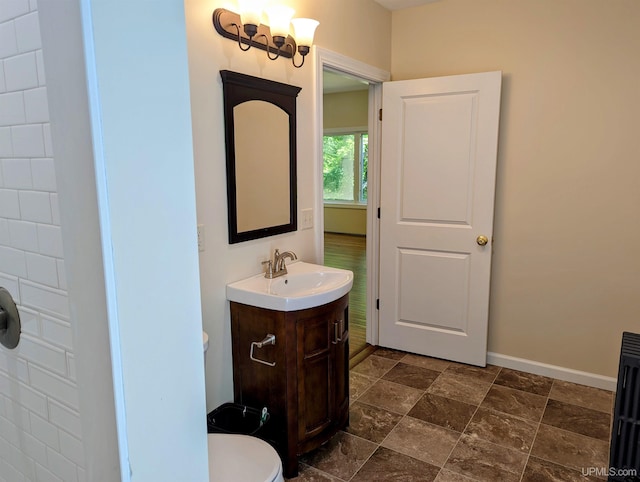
[416, 418]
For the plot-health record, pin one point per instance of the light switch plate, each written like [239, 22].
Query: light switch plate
[306, 221]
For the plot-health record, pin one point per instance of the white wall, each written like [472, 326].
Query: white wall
[139, 102]
[57, 404]
[222, 263]
[40, 425]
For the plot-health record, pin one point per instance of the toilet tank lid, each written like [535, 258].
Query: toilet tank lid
[205, 341]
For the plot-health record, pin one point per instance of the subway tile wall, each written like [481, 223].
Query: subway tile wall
[40, 430]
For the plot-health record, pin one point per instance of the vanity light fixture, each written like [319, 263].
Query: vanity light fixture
[247, 29]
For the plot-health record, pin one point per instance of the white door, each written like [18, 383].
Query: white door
[439, 146]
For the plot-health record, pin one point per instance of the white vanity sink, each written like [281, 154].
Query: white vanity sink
[304, 286]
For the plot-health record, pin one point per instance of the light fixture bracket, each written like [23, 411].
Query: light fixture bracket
[227, 24]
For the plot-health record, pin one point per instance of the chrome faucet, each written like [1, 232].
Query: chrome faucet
[277, 267]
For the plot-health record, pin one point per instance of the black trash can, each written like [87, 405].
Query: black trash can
[237, 418]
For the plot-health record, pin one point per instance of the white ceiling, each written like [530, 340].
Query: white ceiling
[333, 82]
[398, 4]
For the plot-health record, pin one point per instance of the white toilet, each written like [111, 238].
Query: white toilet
[234, 458]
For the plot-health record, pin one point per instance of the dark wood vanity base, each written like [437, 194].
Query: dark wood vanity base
[307, 390]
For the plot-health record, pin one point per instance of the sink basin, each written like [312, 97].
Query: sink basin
[306, 285]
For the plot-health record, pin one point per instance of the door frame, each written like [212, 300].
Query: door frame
[375, 76]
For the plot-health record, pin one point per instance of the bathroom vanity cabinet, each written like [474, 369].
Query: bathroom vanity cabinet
[307, 390]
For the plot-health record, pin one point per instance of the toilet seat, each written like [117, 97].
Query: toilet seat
[234, 458]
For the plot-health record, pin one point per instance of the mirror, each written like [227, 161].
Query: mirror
[260, 138]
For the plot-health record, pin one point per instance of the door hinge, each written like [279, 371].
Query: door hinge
[378, 304]
[378, 213]
[380, 114]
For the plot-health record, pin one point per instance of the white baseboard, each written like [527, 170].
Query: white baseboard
[561, 373]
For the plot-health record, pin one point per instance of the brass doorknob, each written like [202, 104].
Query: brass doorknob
[482, 240]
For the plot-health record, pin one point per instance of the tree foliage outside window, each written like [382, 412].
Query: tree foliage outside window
[346, 159]
[364, 149]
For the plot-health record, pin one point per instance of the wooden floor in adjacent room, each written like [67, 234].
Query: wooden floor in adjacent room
[349, 252]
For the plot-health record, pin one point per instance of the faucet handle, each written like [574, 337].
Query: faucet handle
[269, 271]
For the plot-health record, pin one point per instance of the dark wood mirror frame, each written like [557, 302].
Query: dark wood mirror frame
[240, 88]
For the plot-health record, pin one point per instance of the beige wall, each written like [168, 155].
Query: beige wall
[566, 271]
[222, 263]
[346, 109]
[344, 219]
[360, 29]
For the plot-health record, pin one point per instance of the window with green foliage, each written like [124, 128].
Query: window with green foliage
[346, 157]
